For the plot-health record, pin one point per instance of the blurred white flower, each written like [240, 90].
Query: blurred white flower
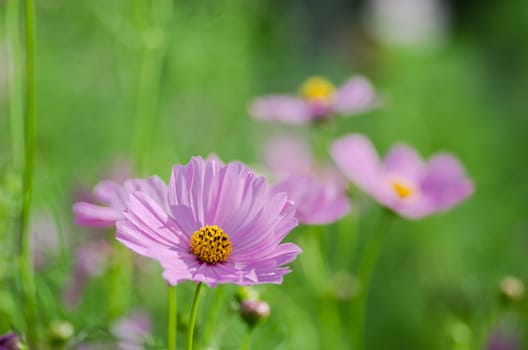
[408, 22]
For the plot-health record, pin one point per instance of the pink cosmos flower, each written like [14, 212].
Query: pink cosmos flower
[403, 181]
[222, 225]
[319, 193]
[113, 197]
[318, 100]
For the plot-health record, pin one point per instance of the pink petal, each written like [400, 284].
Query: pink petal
[282, 108]
[358, 160]
[445, 183]
[317, 201]
[88, 214]
[177, 266]
[404, 161]
[354, 96]
[147, 224]
[192, 186]
[288, 154]
[105, 190]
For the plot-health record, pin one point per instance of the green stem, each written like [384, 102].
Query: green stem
[247, 339]
[312, 261]
[192, 319]
[173, 318]
[366, 268]
[348, 231]
[15, 91]
[121, 271]
[330, 323]
[316, 272]
[154, 51]
[25, 255]
[214, 311]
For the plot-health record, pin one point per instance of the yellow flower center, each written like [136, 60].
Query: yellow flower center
[402, 190]
[317, 89]
[211, 244]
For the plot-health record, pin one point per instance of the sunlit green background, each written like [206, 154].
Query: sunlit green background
[189, 69]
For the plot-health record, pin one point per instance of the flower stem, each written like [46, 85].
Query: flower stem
[313, 264]
[121, 272]
[25, 255]
[247, 339]
[173, 318]
[192, 319]
[366, 268]
[214, 311]
[149, 79]
[15, 91]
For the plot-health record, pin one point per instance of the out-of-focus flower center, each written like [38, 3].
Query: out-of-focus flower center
[317, 89]
[211, 244]
[402, 190]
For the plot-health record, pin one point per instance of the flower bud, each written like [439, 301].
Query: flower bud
[10, 341]
[511, 289]
[59, 334]
[254, 311]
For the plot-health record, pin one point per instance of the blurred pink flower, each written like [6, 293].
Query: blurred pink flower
[92, 257]
[222, 225]
[319, 193]
[45, 238]
[403, 181]
[318, 100]
[131, 331]
[114, 196]
[500, 340]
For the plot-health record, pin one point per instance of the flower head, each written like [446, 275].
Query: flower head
[319, 193]
[113, 196]
[10, 341]
[403, 181]
[222, 225]
[318, 100]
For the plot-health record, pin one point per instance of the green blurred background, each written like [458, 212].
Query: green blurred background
[453, 75]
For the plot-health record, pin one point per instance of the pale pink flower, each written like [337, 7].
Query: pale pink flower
[403, 182]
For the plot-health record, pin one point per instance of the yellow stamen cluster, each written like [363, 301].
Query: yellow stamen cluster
[317, 89]
[211, 244]
[402, 190]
